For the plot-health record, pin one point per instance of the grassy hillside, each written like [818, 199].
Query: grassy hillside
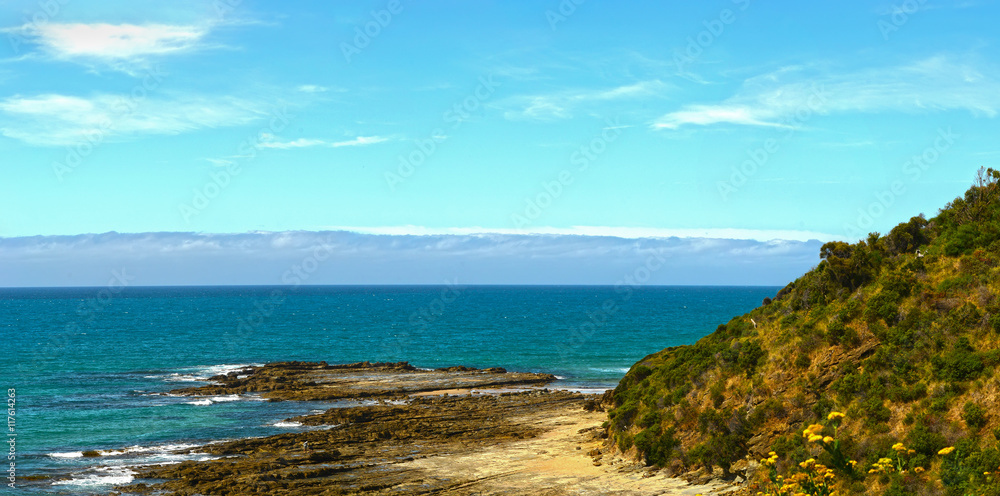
[900, 333]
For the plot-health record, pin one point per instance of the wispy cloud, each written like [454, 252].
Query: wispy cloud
[360, 141]
[561, 104]
[314, 88]
[934, 84]
[914, 7]
[60, 120]
[269, 142]
[119, 46]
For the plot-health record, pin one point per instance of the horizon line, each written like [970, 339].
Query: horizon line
[436, 285]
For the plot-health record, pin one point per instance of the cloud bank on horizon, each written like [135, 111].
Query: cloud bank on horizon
[340, 257]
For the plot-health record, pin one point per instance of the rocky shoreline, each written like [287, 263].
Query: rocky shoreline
[453, 431]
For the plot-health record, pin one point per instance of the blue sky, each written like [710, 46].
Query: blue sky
[737, 120]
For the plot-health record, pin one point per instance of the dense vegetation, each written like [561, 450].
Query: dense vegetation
[900, 332]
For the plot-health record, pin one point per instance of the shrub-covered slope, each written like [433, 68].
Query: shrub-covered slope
[900, 332]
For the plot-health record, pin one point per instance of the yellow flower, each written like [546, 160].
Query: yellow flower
[945, 451]
[815, 437]
[827, 439]
[835, 416]
[812, 430]
[899, 447]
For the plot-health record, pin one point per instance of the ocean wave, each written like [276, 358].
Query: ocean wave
[201, 373]
[619, 370]
[287, 424]
[584, 390]
[153, 449]
[108, 476]
[68, 454]
[227, 398]
[201, 401]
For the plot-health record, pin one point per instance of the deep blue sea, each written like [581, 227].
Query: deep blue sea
[86, 365]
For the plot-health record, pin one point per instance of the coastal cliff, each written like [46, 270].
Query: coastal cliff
[886, 350]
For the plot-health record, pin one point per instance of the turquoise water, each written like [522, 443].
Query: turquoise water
[89, 365]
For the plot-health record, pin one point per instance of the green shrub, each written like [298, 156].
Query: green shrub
[876, 412]
[716, 394]
[750, 356]
[974, 416]
[924, 440]
[952, 284]
[962, 363]
[884, 305]
[624, 441]
[651, 418]
[835, 332]
[908, 236]
[802, 361]
[657, 447]
[966, 316]
[908, 394]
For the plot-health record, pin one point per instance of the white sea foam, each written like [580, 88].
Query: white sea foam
[202, 373]
[583, 390]
[107, 476]
[154, 449]
[202, 401]
[287, 424]
[223, 369]
[559, 377]
[227, 398]
[68, 454]
[620, 370]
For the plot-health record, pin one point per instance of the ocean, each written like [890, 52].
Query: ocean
[86, 368]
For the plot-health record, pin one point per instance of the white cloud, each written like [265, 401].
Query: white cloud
[61, 120]
[122, 41]
[560, 105]
[773, 99]
[312, 88]
[299, 143]
[704, 115]
[220, 162]
[351, 258]
[762, 235]
[360, 141]
[269, 142]
[120, 46]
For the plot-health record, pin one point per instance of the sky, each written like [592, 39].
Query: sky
[630, 126]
